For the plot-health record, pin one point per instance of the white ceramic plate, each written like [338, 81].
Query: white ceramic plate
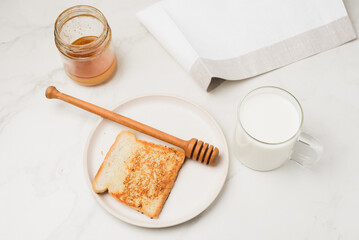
[197, 185]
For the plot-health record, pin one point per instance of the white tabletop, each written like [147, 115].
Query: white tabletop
[43, 193]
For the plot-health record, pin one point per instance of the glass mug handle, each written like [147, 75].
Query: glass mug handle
[307, 150]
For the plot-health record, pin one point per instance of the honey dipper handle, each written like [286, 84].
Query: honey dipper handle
[52, 92]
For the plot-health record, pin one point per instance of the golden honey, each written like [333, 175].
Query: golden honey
[83, 37]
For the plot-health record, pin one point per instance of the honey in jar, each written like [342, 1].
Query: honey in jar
[83, 38]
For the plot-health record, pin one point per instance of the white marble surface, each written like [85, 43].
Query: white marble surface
[43, 194]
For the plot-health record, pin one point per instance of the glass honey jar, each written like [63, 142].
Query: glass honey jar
[83, 37]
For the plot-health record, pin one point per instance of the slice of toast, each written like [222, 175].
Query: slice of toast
[139, 174]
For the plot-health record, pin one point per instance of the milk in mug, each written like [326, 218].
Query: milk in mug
[269, 122]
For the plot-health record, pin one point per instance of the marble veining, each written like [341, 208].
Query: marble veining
[43, 193]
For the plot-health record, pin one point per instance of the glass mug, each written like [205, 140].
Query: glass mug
[268, 131]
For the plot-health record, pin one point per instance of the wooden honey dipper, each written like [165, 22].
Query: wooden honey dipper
[194, 149]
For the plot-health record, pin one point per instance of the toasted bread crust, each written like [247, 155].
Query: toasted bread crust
[113, 146]
[150, 175]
